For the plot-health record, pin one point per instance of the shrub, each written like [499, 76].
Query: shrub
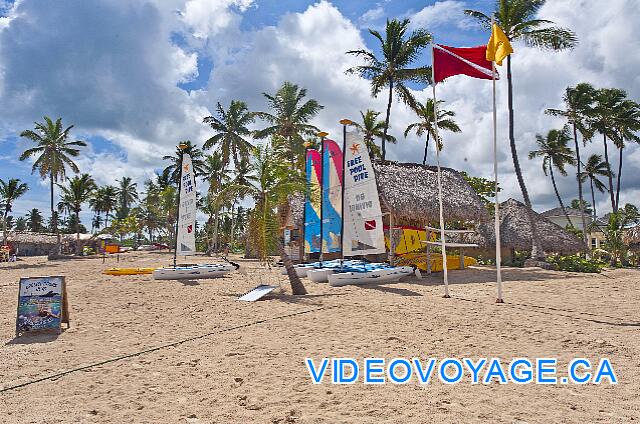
[575, 263]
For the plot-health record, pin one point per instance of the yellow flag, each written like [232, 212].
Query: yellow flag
[498, 47]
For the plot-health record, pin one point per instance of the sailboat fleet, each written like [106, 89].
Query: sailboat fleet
[344, 177]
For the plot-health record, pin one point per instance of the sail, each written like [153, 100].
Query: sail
[363, 231]
[331, 196]
[313, 203]
[186, 237]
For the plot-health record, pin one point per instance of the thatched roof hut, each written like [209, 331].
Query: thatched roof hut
[632, 237]
[34, 244]
[410, 193]
[515, 231]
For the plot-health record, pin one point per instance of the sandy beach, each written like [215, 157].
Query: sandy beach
[248, 366]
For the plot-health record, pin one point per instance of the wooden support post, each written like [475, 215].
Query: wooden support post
[428, 252]
[461, 257]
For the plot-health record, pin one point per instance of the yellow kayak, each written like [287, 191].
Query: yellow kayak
[128, 271]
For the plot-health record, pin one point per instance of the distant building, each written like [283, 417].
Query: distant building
[594, 234]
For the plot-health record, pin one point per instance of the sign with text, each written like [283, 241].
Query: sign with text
[42, 305]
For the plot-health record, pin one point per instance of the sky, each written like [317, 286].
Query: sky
[135, 78]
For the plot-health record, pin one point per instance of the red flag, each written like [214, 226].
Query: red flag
[471, 61]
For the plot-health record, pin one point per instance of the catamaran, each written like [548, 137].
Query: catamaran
[185, 233]
[344, 177]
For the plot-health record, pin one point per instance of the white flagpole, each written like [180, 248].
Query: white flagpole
[435, 127]
[499, 299]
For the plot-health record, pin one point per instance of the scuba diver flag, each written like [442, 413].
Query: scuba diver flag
[471, 61]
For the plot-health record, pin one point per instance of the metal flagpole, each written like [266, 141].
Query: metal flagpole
[499, 298]
[435, 127]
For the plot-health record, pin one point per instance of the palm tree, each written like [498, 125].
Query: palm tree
[231, 131]
[392, 69]
[9, 191]
[372, 128]
[289, 119]
[275, 182]
[626, 125]
[54, 154]
[127, 192]
[21, 224]
[215, 172]
[34, 220]
[517, 20]
[607, 102]
[79, 190]
[104, 199]
[426, 125]
[578, 101]
[555, 153]
[594, 168]
[172, 171]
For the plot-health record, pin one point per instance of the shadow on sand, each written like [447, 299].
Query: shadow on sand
[33, 338]
[26, 266]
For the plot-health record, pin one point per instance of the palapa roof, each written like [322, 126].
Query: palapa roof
[35, 238]
[515, 231]
[632, 236]
[410, 192]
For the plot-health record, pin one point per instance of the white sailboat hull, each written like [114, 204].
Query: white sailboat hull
[319, 275]
[301, 271]
[193, 272]
[378, 276]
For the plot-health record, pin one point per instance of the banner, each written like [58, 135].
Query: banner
[42, 305]
[331, 196]
[313, 203]
[186, 244]
[363, 231]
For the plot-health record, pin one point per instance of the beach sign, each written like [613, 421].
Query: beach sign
[42, 305]
[258, 293]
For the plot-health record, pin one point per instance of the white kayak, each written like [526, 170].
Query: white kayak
[193, 272]
[369, 276]
[320, 275]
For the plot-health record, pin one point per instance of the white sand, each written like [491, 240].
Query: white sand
[257, 374]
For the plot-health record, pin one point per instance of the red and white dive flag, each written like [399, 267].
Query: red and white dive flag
[471, 61]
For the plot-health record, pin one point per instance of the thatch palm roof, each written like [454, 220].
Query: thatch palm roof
[36, 238]
[410, 192]
[632, 236]
[515, 231]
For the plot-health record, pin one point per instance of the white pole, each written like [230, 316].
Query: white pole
[495, 173]
[435, 127]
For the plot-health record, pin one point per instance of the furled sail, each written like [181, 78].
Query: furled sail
[363, 231]
[331, 196]
[186, 236]
[313, 203]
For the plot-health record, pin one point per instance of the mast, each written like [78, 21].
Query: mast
[323, 135]
[344, 123]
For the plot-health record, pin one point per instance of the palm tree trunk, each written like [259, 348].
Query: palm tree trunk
[619, 176]
[593, 201]
[555, 188]
[215, 230]
[426, 149]
[4, 227]
[606, 158]
[297, 288]
[580, 199]
[77, 232]
[536, 248]
[386, 121]
[54, 218]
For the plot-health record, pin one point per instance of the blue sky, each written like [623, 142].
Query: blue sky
[137, 77]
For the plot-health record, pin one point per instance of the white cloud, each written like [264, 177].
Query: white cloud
[441, 13]
[207, 18]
